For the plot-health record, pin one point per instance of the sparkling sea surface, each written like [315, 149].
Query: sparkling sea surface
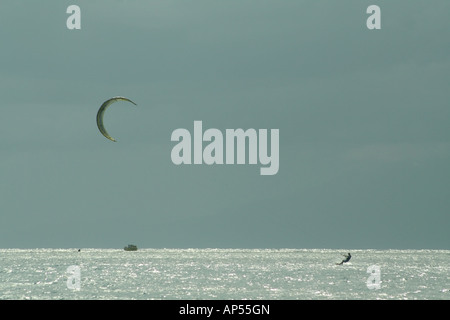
[229, 274]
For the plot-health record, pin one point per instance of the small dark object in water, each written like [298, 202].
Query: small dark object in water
[130, 247]
[347, 259]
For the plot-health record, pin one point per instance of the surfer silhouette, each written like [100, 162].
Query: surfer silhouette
[347, 259]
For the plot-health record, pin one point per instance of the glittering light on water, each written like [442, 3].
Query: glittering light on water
[223, 274]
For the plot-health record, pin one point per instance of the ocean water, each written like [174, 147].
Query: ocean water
[230, 274]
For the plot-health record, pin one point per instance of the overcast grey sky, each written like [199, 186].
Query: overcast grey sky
[363, 117]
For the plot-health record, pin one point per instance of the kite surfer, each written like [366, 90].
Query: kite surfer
[347, 259]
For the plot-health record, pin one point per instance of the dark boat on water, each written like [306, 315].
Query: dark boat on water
[130, 247]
